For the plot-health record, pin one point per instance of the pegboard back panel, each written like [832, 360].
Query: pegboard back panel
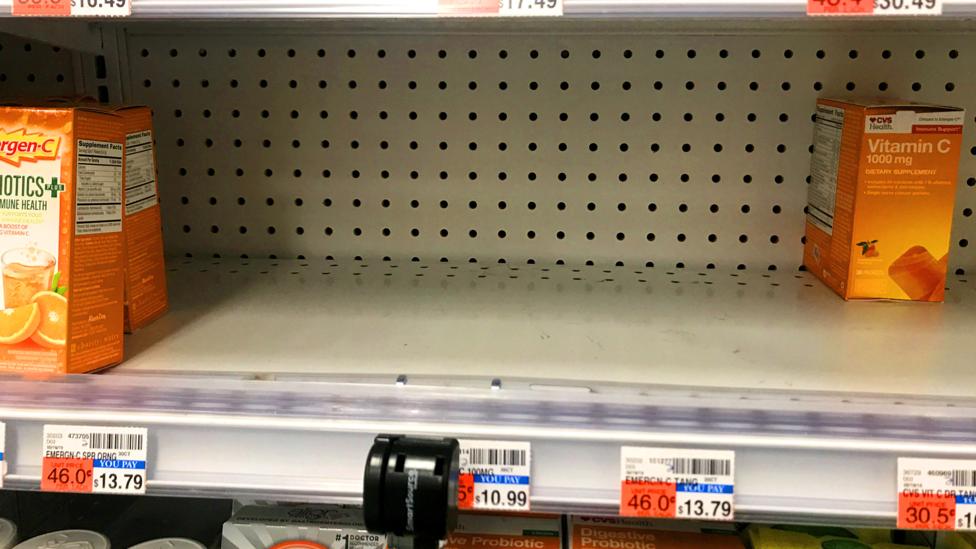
[33, 69]
[606, 147]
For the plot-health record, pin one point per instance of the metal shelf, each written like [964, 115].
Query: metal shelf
[270, 378]
[302, 9]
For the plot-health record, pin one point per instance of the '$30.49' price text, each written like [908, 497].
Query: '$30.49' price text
[114, 481]
[662, 504]
[495, 498]
[527, 4]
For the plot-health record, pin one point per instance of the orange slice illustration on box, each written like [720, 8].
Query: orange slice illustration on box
[917, 273]
[18, 323]
[52, 330]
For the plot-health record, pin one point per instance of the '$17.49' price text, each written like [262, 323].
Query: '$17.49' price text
[526, 4]
[114, 481]
[495, 498]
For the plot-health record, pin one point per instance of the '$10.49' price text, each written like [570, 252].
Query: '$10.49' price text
[115, 481]
[526, 4]
[98, 3]
[662, 505]
[498, 497]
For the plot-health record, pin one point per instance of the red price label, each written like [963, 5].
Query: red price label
[466, 491]
[66, 475]
[648, 499]
[42, 8]
[467, 8]
[926, 511]
[840, 7]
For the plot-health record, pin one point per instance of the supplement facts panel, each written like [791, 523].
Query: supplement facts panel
[99, 187]
[140, 173]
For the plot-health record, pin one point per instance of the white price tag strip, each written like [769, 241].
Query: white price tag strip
[98, 460]
[677, 483]
[937, 494]
[67, 8]
[3, 445]
[494, 474]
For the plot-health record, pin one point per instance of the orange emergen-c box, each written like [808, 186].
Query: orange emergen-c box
[623, 533]
[60, 239]
[505, 531]
[880, 199]
[145, 269]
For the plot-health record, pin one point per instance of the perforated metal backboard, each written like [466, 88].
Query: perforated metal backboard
[612, 143]
[32, 69]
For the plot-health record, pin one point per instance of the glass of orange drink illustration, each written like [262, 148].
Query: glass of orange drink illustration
[26, 271]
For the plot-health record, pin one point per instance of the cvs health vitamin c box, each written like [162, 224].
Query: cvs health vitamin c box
[880, 199]
[145, 269]
[620, 533]
[60, 239]
[505, 531]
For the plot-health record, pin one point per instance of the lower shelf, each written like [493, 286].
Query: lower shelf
[270, 380]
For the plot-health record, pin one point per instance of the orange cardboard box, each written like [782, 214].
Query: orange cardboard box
[60, 239]
[621, 533]
[145, 269]
[508, 531]
[881, 195]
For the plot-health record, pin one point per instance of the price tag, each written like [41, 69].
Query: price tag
[677, 483]
[494, 474]
[98, 460]
[936, 494]
[79, 8]
[502, 8]
[874, 7]
[3, 444]
[101, 8]
[530, 8]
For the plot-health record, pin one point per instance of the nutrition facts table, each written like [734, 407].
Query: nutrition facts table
[822, 193]
[99, 187]
[140, 173]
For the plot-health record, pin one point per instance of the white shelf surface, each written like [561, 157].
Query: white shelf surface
[772, 330]
[270, 379]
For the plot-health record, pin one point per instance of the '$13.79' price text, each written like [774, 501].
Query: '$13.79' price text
[496, 498]
[114, 481]
[527, 4]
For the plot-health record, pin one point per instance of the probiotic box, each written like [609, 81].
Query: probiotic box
[61, 244]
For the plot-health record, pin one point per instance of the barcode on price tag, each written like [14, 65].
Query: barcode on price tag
[98, 460]
[3, 445]
[494, 474]
[874, 7]
[937, 494]
[677, 483]
[78, 8]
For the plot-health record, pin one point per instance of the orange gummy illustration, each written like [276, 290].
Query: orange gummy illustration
[917, 273]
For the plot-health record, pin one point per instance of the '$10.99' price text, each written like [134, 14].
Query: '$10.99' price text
[496, 498]
[114, 481]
